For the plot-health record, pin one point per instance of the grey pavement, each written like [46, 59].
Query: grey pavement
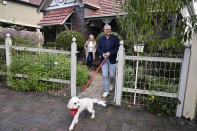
[21, 111]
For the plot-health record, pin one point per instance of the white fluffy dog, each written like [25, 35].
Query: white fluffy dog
[81, 105]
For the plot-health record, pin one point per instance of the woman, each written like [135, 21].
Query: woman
[90, 48]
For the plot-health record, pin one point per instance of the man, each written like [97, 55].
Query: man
[108, 46]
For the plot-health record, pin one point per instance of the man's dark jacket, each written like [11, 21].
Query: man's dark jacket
[110, 45]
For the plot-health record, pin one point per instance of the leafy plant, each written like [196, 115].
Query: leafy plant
[129, 77]
[162, 84]
[151, 22]
[64, 40]
[42, 65]
[161, 105]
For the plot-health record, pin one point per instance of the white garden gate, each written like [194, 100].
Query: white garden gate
[140, 79]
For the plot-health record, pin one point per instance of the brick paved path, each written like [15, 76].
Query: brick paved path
[30, 112]
[96, 87]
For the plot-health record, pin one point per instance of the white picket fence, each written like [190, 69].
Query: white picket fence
[73, 62]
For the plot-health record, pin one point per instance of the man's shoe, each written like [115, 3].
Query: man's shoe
[105, 94]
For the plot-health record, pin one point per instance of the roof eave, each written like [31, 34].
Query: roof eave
[51, 24]
[103, 15]
[92, 6]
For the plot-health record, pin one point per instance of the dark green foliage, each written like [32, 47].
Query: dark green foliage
[50, 44]
[161, 105]
[103, 33]
[64, 40]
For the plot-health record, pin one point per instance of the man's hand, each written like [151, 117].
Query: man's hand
[105, 55]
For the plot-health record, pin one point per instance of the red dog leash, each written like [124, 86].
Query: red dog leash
[94, 74]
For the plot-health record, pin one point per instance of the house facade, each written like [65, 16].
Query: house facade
[21, 13]
[84, 16]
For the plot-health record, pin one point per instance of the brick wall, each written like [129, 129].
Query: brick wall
[78, 22]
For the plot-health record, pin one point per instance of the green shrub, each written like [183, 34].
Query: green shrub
[43, 65]
[129, 77]
[82, 75]
[103, 33]
[169, 85]
[50, 44]
[129, 47]
[64, 40]
[161, 105]
[18, 41]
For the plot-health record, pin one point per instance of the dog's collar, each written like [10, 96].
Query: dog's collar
[73, 112]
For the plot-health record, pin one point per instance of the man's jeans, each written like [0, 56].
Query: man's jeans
[108, 68]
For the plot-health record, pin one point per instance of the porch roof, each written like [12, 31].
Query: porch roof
[56, 17]
[106, 9]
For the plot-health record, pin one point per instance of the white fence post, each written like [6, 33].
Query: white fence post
[8, 44]
[73, 67]
[183, 79]
[119, 75]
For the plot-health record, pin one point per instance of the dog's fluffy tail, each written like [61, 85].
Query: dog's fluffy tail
[100, 102]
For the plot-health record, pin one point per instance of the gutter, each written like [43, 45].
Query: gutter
[27, 3]
[105, 15]
[50, 24]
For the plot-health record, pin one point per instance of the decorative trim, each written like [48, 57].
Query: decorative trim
[62, 6]
[60, 2]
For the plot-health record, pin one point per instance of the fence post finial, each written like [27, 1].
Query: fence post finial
[73, 67]
[73, 39]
